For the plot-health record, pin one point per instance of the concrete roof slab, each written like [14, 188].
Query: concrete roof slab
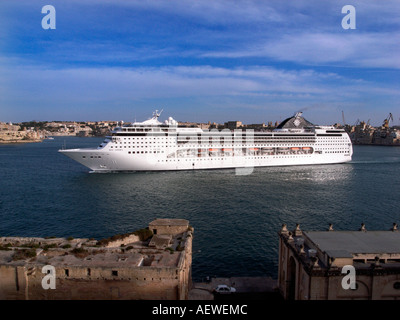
[356, 242]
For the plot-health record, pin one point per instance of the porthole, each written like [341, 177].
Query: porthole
[396, 285]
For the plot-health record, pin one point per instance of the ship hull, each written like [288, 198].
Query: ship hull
[114, 161]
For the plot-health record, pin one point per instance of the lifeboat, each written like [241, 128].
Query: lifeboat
[227, 150]
[213, 150]
[306, 148]
[268, 150]
[283, 149]
[202, 152]
[295, 149]
[253, 149]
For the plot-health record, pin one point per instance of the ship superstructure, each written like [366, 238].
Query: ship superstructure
[155, 146]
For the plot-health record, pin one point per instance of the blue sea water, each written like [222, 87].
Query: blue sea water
[236, 217]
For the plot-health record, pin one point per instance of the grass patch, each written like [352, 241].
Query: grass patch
[179, 247]
[143, 235]
[32, 245]
[6, 247]
[21, 254]
[80, 252]
[49, 246]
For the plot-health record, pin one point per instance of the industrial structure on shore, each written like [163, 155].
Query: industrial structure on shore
[363, 133]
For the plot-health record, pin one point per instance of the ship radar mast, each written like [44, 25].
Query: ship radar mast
[297, 120]
[153, 121]
[157, 114]
[298, 114]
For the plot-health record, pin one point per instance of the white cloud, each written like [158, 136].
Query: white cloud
[306, 32]
[165, 82]
[86, 64]
[210, 11]
[371, 50]
[218, 91]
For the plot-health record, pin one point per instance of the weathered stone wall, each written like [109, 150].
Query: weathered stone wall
[161, 226]
[117, 243]
[372, 284]
[25, 282]
[130, 283]
[22, 280]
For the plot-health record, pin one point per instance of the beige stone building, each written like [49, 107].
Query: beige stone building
[168, 226]
[312, 264]
[231, 125]
[121, 267]
[10, 133]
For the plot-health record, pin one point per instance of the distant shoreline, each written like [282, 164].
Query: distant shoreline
[19, 141]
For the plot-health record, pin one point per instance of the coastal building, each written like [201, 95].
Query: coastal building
[10, 133]
[386, 136]
[139, 265]
[313, 264]
[232, 125]
[84, 131]
[200, 125]
[364, 133]
[256, 126]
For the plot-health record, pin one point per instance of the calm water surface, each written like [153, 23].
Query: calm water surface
[236, 218]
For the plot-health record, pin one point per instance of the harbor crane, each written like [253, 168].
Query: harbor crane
[386, 122]
[344, 122]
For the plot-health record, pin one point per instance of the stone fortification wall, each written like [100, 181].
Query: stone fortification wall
[25, 283]
[169, 226]
[122, 267]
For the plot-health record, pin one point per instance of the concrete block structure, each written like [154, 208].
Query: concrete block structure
[168, 226]
[121, 267]
[313, 264]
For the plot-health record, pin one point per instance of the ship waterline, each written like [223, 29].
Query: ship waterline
[155, 146]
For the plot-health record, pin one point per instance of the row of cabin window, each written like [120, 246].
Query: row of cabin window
[210, 158]
[133, 152]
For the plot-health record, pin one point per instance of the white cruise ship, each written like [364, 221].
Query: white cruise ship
[155, 146]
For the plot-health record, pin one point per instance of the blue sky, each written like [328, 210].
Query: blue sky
[254, 61]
